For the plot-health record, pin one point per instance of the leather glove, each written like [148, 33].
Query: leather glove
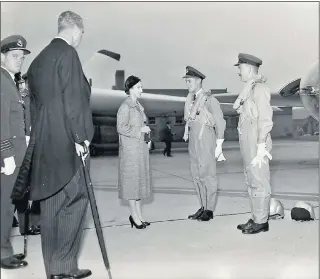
[261, 153]
[9, 166]
[218, 150]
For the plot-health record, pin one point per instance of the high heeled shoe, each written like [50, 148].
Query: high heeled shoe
[146, 223]
[133, 223]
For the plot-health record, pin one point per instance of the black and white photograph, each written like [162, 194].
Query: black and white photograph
[160, 140]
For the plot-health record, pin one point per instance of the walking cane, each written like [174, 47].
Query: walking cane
[95, 215]
[23, 255]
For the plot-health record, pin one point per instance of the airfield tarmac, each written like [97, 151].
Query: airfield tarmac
[174, 247]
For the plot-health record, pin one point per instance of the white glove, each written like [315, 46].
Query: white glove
[221, 158]
[261, 153]
[9, 166]
[185, 137]
[80, 149]
[145, 129]
[186, 132]
[218, 150]
[27, 140]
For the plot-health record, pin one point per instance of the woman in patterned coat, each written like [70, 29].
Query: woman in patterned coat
[134, 169]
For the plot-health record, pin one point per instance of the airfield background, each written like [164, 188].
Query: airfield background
[289, 123]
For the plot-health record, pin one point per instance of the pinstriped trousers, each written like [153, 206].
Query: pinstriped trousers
[62, 220]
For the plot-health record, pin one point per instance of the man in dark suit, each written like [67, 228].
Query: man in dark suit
[61, 121]
[167, 139]
[13, 140]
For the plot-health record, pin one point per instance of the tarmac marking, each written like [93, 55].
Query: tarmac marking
[227, 193]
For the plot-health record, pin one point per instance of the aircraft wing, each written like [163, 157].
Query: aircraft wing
[106, 102]
[276, 99]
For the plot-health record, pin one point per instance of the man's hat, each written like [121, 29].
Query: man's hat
[244, 58]
[14, 42]
[192, 72]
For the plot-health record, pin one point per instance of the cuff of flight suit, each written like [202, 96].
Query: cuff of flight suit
[262, 145]
[7, 149]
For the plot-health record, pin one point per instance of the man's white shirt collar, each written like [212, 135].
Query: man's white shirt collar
[11, 74]
[58, 37]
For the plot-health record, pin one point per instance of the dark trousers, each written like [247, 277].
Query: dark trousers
[62, 220]
[33, 218]
[7, 211]
[167, 150]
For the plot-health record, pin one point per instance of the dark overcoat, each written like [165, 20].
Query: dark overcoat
[13, 140]
[60, 116]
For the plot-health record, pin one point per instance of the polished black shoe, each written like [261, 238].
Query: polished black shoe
[245, 226]
[34, 230]
[133, 223]
[81, 273]
[146, 223]
[12, 263]
[206, 215]
[19, 257]
[197, 214]
[256, 228]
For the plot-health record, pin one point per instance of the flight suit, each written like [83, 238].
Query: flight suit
[254, 127]
[13, 143]
[207, 126]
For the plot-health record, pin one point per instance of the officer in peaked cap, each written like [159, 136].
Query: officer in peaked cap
[254, 127]
[244, 58]
[13, 140]
[204, 128]
[192, 72]
[14, 42]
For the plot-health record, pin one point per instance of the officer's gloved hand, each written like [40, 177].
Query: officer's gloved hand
[9, 166]
[261, 153]
[218, 150]
[221, 158]
[27, 140]
[186, 132]
[82, 149]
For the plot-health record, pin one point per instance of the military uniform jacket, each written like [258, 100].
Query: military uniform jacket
[13, 141]
[27, 118]
[60, 117]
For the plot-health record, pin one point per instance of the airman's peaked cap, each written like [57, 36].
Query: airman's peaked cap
[192, 72]
[14, 42]
[244, 58]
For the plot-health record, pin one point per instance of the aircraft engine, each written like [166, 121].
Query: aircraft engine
[309, 91]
